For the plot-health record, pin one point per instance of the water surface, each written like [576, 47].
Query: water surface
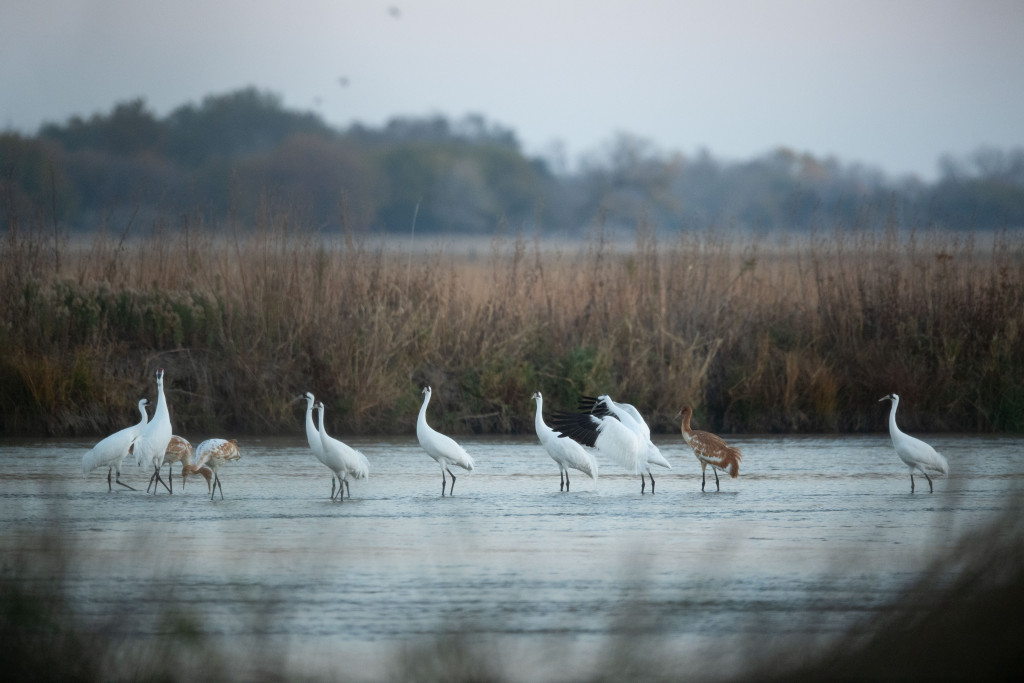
[814, 535]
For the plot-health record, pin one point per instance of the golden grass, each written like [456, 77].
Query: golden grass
[782, 333]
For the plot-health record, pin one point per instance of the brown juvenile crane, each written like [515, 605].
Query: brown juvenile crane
[710, 449]
[180, 450]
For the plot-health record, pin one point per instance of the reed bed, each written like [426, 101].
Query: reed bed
[761, 334]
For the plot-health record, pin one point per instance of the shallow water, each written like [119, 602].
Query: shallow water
[815, 534]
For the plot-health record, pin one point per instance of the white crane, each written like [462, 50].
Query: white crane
[609, 435]
[112, 450]
[151, 444]
[916, 454]
[565, 452]
[215, 452]
[341, 459]
[710, 449]
[441, 448]
[313, 434]
[629, 416]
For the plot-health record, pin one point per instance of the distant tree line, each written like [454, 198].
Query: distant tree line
[236, 155]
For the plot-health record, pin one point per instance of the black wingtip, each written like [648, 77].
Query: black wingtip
[580, 427]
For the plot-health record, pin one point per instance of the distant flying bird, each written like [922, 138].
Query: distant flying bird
[112, 451]
[395, 12]
[215, 452]
[710, 449]
[341, 459]
[916, 454]
[441, 448]
[607, 434]
[565, 452]
[151, 444]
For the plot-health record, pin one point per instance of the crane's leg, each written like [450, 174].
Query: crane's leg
[651, 475]
[451, 489]
[109, 487]
[930, 488]
[118, 479]
[911, 482]
[170, 478]
[332, 487]
[156, 473]
[561, 480]
[152, 478]
[643, 483]
[703, 475]
[566, 481]
[715, 472]
[443, 481]
[348, 487]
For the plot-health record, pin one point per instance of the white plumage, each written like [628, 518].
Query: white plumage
[565, 452]
[441, 448]
[215, 452]
[608, 435]
[313, 434]
[631, 417]
[111, 451]
[341, 459]
[916, 454]
[151, 444]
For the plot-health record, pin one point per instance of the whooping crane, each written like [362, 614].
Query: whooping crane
[914, 452]
[710, 449]
[215, 452]
[112, 450]
[341, 459]
[607, 434]
[441, 448]
[151, 444]
[629, 416]
[313, 434]
[565, 452]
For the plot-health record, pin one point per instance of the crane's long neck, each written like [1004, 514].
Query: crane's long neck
[538, 421]
[421, 421]
[893, 429]
[145, 416]
[312, 433]
[686, 430]
[161, 403]
[320, 419]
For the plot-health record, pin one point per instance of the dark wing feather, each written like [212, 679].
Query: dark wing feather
[595, 406]
[580, 427]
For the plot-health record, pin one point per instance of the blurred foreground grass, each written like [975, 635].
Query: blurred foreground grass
[961, 619]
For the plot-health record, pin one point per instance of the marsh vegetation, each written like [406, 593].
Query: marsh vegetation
[761, 333]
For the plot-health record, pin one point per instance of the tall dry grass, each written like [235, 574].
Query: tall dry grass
[787, 333]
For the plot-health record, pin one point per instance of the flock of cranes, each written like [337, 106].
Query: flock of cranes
[152, 443]
[599, 425]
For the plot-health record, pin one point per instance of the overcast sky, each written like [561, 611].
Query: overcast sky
[889, 83]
